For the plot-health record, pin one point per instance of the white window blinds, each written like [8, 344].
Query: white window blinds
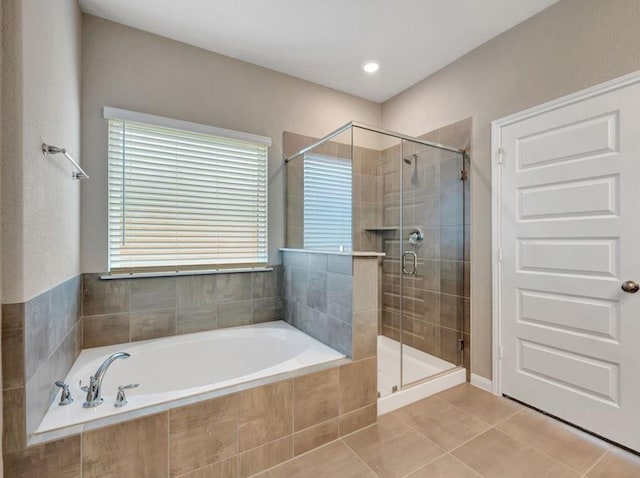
[327, 203]
[181, 200]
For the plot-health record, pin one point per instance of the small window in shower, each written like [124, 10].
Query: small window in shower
[327, 203]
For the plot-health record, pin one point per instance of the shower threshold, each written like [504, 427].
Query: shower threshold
[424, 374]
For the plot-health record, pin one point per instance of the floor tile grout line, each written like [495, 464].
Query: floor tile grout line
[537, 450]
[465, 465]
[545, 453]
[426, 464]
[606, 452]
[359, 458]
[467, 412]
[458, 446]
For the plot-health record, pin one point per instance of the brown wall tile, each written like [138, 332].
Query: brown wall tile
[12, 345]
[358, 384]
[265, 414]
[202, 434]
[101, 297]
[358, 419]
[365, 284]
[196, 319]
[138, 448]
[315, 398]
[265, 456]
[315, 436]
[223, 469]
[365, 334]
[151, 324]
[60, 458]
[13, 419]
[153, 293]
[99, 330]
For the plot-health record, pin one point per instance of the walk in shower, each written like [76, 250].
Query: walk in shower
[364, 189]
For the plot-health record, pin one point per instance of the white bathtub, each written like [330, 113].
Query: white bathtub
[172, 369]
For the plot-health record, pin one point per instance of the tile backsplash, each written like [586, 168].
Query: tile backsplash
[318, 291]
[127, 310]
[41, 338]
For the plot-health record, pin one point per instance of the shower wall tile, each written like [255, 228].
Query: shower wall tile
[436, 300]
[165, 306]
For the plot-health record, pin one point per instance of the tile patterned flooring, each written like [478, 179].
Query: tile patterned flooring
[463, 432]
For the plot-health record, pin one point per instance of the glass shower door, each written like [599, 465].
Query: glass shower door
[431, 251]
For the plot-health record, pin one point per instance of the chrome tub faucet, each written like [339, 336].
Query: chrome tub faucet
[94, 389]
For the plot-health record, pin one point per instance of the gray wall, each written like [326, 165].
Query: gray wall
[127, 68]
[572, 45]
[41, 208]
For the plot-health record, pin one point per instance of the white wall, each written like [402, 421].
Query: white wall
[127, 68]
[41, 102]
[570, 46]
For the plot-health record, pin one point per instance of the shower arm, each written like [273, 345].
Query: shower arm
[79, 173]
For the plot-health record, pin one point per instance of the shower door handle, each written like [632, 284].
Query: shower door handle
[415, 262]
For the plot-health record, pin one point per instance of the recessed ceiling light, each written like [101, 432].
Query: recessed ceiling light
[371, 66]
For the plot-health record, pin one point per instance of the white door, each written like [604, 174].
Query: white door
[568, 224]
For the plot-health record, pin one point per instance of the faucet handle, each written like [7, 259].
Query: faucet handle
[65, 396]
[121, 399]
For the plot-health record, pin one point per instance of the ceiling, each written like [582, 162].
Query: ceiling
[327, 41]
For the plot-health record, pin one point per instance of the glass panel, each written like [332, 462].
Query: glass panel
[376, 224]
[432, 254]
[320, 194]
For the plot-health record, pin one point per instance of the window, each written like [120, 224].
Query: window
[184, 196]
[327, 203]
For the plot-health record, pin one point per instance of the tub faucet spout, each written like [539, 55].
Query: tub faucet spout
[94, 389]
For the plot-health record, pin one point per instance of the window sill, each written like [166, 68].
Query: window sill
[144, 275]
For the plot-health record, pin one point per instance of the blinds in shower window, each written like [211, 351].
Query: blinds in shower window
[181, 200]
[327, 203]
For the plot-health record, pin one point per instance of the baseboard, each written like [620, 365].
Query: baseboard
[481, 382]
[417, 392]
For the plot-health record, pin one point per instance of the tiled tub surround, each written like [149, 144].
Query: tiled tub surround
[184, 369]
[41, 339]
[236, 435]
[334, 298]
[126, 310]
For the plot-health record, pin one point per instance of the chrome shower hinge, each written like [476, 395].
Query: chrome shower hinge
[463, 175]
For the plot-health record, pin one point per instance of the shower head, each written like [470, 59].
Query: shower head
[410, 159]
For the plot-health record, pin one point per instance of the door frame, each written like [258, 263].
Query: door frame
[497, 159]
